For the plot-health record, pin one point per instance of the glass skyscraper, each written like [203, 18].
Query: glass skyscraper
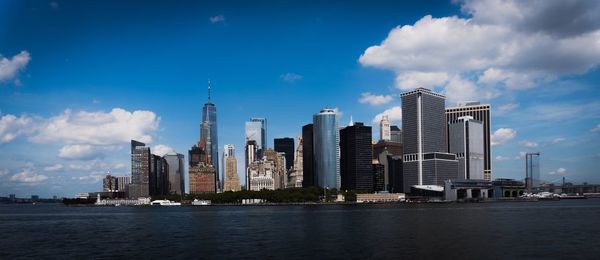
[208, 132]
[326, 145]
[256, 129]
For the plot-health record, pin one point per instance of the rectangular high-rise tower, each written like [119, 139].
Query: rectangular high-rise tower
[356, 158]
[308, 161]
[326, 147]
[285, 145]
[256, 129]
[480, 112]
[466, 141]
[426, 159]
[140, 170]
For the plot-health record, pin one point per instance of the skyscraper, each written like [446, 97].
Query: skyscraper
[426, 161]
[384, 129]
[326, 140]
[285, 145]
[480, 112]
[208, 132]
[279, 171]
[356, 158]
[231, 180]
[140, 170]
[251, 151]
[308, 161]
[202, 175]
[228, 150]
[396, 134]
[176, 173]
[532, 172]
[159, 176]
[297, 174]
[256, 129]
[466, 141]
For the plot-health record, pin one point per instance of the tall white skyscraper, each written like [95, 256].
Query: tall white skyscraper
[384, 129]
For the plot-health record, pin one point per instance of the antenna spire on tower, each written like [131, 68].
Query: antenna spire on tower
[209, 89]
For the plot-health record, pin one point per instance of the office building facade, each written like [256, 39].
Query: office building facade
[384, 129]
[232, 180]
[296, 175]
[356, 156]
[308, 161]
[261, 175]
[466, 141]
[425, 159]
[480, 112]
[395, 134]
[256, 129]
[285, 145]
[250, 156]
[326, 139]
[176, 163]
[228, 150]
[140, 170]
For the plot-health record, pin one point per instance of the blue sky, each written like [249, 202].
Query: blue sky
[78, 79]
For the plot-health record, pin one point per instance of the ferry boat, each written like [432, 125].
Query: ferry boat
[197, 202]
[164, 203]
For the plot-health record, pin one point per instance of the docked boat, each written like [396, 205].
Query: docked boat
[197, 202]
[164, 203]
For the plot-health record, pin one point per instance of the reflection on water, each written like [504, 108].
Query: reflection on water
[492, 230]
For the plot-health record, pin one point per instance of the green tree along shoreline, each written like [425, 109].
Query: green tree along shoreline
[290, 195]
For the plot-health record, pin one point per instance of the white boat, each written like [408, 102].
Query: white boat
[197, 202]
[164, 203]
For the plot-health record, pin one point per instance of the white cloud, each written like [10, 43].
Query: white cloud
[291, 77]
[98, 128]
[596, 129]
[374, 100]
[28, 175]
[502, 135]
[557, 140]
[11, 127]
[559, 171]
[53, 168]
[3, 172]
[528, 143]
[161, 149]
[9, 68]
[501, 44]
[394, 115]
[508, 107]
[502, 158]
[79, 151]
[217, 19]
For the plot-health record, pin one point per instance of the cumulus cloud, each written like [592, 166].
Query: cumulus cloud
[11, 127]
[500, 45]
[9, 68]
[217, 19]
[98, 128]
[28, 175]
[502, 135]
[291, 77]
[83, 135]
[394, 115]
[374, 100]
[161, 149]
[528, 143]
[559, 171]
[53, 168]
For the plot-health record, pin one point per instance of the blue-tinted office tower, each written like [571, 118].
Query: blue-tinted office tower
[208, 132]
[326, 148]
[256, 129]
[426, 160]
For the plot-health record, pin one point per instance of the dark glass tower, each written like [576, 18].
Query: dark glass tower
[356, 158]
[208, 132]
[285, 145]
[308, 161]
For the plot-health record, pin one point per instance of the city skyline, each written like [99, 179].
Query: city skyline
[75, 95]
